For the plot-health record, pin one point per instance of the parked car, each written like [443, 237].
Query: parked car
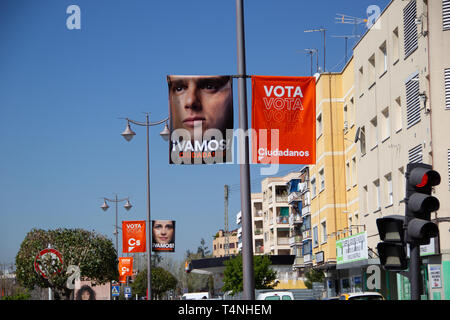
[276, 295]
[362, 296]
[196, 296]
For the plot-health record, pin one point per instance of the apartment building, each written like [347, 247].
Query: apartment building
[221, 244]
[402, 101]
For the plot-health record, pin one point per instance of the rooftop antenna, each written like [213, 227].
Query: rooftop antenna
[346, 19]
[323, 30]
[346, 37]
[311, 52]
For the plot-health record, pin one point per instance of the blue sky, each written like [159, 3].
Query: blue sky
[63, 91]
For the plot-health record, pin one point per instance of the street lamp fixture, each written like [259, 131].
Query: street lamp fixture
[105, 207]
[128, 134]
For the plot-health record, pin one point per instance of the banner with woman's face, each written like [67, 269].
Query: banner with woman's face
[163, 235]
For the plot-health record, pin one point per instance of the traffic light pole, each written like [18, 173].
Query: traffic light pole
[415, 276]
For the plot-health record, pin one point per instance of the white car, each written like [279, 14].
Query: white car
[196, 296]
[276, 295]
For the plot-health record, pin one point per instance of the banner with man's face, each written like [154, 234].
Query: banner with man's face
[201, 119]
[133, 236]
[284, 120]
[163, 235]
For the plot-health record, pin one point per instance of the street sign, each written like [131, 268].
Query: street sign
[115, 291]
[127, 292]
[48, 262]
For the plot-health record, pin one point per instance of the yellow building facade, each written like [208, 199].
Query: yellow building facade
[333, 180]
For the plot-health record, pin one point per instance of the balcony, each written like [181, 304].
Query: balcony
[258, 214]
[293, 197]
[259, 249]
[306, 211]
[282, 220]
[258, 231]
[283, 241]
[295, 240]
[295, 219]
[306, 234]
[299, 262]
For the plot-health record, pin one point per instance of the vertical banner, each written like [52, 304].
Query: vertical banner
[125, 268]
[163, 235]
[283, 120]
[201, 119]
[133, 236]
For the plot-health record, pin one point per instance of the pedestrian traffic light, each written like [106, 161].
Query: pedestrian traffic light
[420, 178]
[392, 248]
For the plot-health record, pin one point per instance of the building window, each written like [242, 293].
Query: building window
[402, 184]
[412, 101]
[376, 185]
[345, 118]
[362, 140]
[374, 133]
[354, 171]
[410, 27]
[395, 46]
[415, 154]
[315, 237]
[366, 198]
[319, 126]
[372, 71]
[398, 115]
[323, 230]
[351, 112]
[347, 175]
[390, 195]
[313, 187]
[447, 83]
[385, 124]
[322, 180]
[446, 14]
[383, 59]
[361, 80]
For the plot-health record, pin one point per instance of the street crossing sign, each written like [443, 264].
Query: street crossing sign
[115, 291]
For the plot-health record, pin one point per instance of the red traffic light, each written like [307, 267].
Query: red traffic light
[424, 177]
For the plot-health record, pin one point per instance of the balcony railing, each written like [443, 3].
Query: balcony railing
[283, 241]
[259, 249]
[258, 231]
[283, 198]
[282, 220]
[294, 196]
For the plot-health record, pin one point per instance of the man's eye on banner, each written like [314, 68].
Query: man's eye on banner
[163, 235]
[283, 120]
[201, 119]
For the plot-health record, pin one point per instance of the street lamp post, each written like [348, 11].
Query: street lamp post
[105, 207]
[128, 134]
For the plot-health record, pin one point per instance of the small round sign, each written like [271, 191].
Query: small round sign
[51, 255]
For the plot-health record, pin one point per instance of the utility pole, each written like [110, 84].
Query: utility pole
[311, 53]
[227, 239]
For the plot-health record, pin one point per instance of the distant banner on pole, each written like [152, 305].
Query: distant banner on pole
[133, 236]
[125, 268]
[201, 119]
[283, 120]
[163, 235]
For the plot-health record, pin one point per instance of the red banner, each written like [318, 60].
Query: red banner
[133, 236]
[284, 120]
[125, 268]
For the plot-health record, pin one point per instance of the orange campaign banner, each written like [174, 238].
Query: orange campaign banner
[125, 268]
[283, 120]
[133, 236]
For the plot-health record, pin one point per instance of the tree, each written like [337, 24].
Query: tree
[162, 281]
[313, 275]
[264, 276]
[93, 253]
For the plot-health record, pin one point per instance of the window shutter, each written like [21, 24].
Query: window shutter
[410, 27]
[415, 154]
[412, 102]
[447, 87]
[446, 14]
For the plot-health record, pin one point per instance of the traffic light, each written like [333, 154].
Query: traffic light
[392, 249]
[420, 178]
